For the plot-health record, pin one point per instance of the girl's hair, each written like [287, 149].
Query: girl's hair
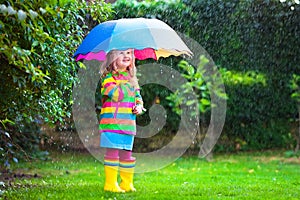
[108, 65]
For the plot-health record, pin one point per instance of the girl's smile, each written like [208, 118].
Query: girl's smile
[124, 59]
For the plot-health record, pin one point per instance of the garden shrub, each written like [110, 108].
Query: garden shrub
[242, 37]
[37, 73]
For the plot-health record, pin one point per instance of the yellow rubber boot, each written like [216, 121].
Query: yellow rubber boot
[126, 175]
[111, 184]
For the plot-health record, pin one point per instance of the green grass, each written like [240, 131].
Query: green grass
[240, 176]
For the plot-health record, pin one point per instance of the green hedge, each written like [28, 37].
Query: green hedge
[37, 72]
[260, 36]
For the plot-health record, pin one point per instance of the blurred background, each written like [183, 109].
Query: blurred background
[254, 44]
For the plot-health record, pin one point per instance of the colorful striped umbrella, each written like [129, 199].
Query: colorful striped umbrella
[150, 38]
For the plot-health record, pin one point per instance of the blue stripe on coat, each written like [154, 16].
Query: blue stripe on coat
[118, 116]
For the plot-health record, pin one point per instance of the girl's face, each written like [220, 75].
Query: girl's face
[123, 59]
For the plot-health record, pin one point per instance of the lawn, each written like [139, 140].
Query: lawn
[267, 175]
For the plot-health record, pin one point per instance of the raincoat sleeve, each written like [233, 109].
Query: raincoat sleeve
[112, 89]
[138, 98]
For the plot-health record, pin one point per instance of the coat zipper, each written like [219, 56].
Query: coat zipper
[117, 108]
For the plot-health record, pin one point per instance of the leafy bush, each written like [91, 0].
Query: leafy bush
[38, 39]
[295, 86]
[246, 38]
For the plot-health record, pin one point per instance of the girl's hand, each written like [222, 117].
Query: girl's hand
[138, 109]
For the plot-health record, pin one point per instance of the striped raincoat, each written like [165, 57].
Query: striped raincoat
[117, 122]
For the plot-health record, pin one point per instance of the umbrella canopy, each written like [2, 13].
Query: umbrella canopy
[150, 38]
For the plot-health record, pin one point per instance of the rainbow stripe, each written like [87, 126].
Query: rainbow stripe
[111, 162]
[127, 164]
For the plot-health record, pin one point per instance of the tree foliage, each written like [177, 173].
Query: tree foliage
[38, 39]
[255, 45]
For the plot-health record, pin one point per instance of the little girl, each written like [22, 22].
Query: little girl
[121, 102]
